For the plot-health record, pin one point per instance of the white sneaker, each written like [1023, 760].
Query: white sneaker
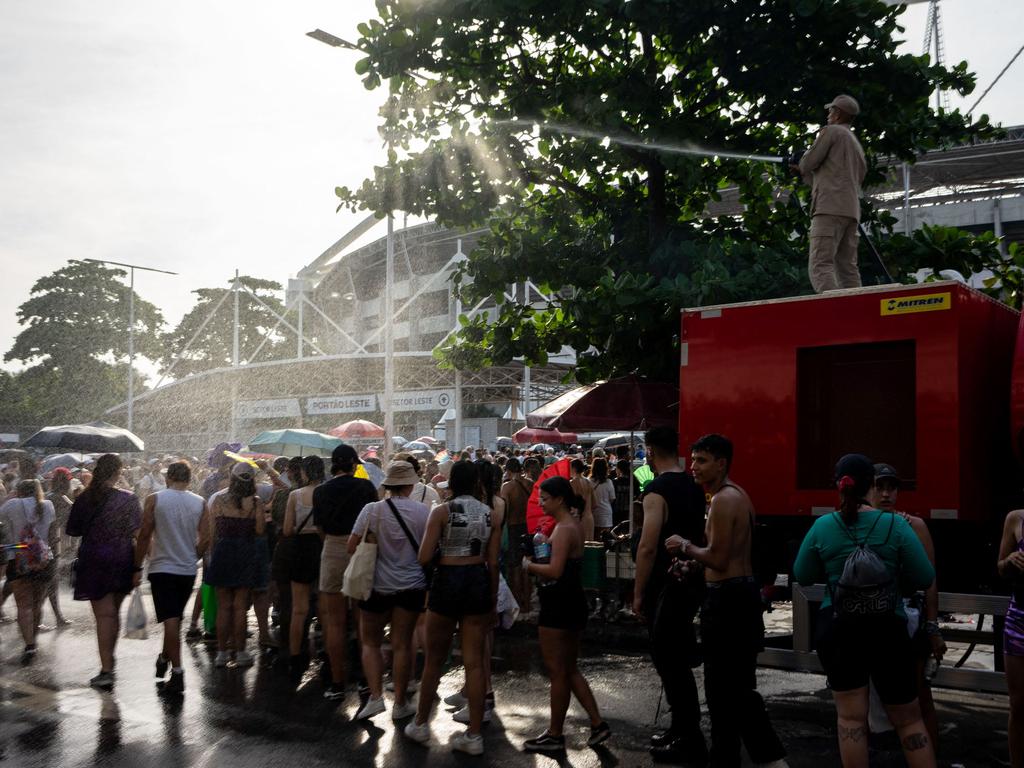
[402, 711]
[462, 716]
[221, 659]
[373, 706]
[465, 742]
[243, 659]
[456, 700]
[416, 732]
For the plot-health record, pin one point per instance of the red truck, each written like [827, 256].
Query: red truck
[927, 377]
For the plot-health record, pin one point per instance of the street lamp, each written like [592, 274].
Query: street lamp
[131, 324]
[389, 276]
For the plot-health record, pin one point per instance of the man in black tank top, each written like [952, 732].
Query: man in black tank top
[668, 602]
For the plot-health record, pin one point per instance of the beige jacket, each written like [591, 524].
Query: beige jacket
[834, 166]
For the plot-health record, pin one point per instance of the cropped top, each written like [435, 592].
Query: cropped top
[468, 528]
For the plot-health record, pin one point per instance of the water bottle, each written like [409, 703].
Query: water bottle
[930, 668]
[541, 547]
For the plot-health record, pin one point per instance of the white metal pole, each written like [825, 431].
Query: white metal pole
[389, 340]
[907, 226]
[302, 300]
[131, 347]
[455, 441]
[234, 348]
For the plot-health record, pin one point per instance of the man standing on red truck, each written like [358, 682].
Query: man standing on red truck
[835, 167]
[731, 627]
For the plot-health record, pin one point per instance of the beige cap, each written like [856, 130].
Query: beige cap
[400, 473]
[846, 103]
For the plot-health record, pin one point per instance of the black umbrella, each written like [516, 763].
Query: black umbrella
[86, 438]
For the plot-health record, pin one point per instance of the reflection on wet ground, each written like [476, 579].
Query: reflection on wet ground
[256, 717]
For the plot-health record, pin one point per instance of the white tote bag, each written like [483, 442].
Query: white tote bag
[358, 581]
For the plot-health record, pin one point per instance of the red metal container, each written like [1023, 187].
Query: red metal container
[917, 376]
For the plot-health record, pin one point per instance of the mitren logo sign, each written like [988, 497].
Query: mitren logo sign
[904, 305]
[316, 406]
[267, 409]
[422, 400]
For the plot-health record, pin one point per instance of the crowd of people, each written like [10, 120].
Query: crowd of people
[443, 549]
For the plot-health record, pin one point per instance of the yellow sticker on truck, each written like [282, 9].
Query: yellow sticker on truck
[905, 305]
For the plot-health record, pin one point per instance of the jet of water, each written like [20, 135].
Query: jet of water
[687, 148]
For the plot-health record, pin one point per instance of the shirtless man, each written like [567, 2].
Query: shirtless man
[732, 631]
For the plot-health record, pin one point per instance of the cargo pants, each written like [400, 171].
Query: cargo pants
[833, 258]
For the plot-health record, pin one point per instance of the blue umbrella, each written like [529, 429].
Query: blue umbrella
[294, 442]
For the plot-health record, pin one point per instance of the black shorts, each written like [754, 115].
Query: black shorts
[171, 592]
[461, 590]
[305, 568]
[856, 650]
[412, 600]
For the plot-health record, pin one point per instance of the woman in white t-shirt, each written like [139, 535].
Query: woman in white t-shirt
[27, 519]
[604, 497]
[399, 586]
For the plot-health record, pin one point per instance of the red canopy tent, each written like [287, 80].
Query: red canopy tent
[617, 405]
[527, 435]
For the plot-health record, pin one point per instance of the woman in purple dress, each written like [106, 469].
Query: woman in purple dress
[1011, 568]
[108, 520]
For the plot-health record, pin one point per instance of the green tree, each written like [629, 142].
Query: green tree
[81, 311]
[496, 115]
[75, 339]
[214, 346]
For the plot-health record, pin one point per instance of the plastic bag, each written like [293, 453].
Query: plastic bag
[135, 621]
[508, 608]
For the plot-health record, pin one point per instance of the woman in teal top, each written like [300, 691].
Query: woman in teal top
[854, 649]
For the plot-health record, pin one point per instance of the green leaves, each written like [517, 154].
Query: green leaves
[623, 233]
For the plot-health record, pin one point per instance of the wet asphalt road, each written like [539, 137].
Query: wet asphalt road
[50, 717]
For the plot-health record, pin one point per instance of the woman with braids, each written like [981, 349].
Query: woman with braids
[563, 616]
[239, 562]
[862, 629]
[108, 520]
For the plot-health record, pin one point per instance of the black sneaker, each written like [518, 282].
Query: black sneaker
[161, 666]
[545, 743]
[28, 655]
[193, 634]
[682, 751]
[599, 734]
[175, 686]
[334, 692]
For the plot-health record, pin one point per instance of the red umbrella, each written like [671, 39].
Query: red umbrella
[535, 516]
[627, 403]
[528, 435]
[354, 430]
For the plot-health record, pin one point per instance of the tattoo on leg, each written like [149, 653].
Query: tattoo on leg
[915, 741]
[855, 734]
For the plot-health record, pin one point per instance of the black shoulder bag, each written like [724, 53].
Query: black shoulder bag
[428, 570]
[285, 552]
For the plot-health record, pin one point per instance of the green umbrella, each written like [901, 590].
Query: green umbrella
[294, 442]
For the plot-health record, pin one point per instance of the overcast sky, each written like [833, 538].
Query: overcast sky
[211, 137]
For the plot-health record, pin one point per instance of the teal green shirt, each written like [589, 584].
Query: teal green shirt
[827, 545]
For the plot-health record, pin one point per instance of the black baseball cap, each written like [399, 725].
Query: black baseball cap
[858, 466]
[887, 472]
[345, 454]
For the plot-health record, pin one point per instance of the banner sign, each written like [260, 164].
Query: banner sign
[316, 406]
[267, 409]
[421, 400]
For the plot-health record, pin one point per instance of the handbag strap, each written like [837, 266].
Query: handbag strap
[405, 528]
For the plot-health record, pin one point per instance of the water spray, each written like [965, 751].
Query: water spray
[785, 160]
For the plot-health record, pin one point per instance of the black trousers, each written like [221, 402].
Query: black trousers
[732, 634]
[670, 612]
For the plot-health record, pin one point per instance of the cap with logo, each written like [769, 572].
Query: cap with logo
[887, 472]
[846, 103]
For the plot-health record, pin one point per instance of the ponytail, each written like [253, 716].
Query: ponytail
[849, 500]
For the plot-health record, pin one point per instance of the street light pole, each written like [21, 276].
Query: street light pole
[131, 326]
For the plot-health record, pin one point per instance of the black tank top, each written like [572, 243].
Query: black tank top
[685, 504]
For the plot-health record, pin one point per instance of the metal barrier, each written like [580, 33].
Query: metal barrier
[803, 658]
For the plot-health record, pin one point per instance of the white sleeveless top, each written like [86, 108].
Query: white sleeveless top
[176, 517]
